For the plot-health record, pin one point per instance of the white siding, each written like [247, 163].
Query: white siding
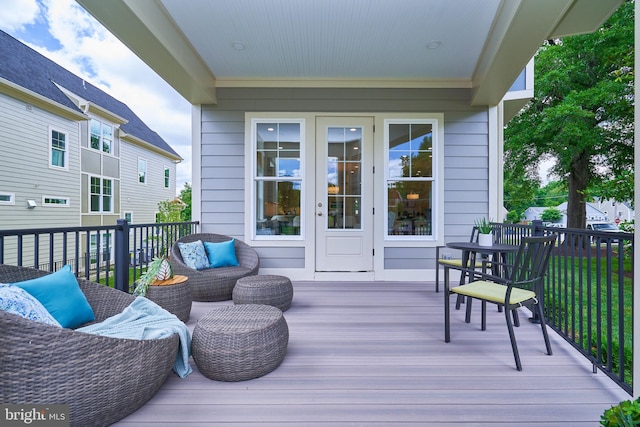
[142, 199]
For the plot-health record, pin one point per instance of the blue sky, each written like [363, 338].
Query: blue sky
[62, 31]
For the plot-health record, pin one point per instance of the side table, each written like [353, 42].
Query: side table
[174, 295]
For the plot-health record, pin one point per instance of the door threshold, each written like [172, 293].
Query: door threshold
[344, 276]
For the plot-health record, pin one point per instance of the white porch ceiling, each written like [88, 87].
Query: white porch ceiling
[199, 45]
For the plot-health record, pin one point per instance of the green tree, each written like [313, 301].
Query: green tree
[178, 209]
[185, 196]
[581, 115]
[551, 214]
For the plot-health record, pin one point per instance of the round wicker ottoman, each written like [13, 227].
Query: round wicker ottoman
[174, 295]
[264, 289]
[240, 342]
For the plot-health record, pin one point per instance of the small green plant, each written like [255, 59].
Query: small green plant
[624, 414]
[484, 225]
[156, 269]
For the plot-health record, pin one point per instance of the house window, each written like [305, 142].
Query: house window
[277, 177]
[7, 198]
[56, 201]
[101, 136]
[166, 177]
[128, 216]
[142, 171]
[58, 153]
[101, 194]
[410, 177]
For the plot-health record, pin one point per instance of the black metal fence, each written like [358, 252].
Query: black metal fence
[588, 294]
[114, 254]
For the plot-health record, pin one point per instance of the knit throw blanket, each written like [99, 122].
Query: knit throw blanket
[145, 320]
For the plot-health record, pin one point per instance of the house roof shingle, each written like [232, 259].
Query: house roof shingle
[27, 68]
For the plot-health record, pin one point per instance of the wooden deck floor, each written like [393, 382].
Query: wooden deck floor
[363, 354]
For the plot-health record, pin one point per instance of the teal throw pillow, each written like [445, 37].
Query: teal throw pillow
[222, 254]
[194, 255]
[16, 300]
[60, 294]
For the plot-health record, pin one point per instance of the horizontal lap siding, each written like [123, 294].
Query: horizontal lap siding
[465, 157]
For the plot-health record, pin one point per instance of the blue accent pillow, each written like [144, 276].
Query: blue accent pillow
[222, 254]
[60, 294]
[194, 255]
[16, 300]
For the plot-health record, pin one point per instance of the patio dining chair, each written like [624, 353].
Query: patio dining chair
[456, 263]
[521, 288]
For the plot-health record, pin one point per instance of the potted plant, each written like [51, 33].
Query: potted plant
[485, 236]
[158, 269]
[626, 413]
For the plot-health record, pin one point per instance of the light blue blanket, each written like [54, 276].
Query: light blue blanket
[145, 320]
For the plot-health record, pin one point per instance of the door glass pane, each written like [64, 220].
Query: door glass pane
[344, 178]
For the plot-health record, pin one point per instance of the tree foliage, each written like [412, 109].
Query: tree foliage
[178, 209]
[581, 117]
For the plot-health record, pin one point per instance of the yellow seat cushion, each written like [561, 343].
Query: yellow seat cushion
[493, 292]
[458, 262]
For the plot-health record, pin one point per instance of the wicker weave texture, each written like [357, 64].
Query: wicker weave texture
[264, 289]
[215, 284]
[102, 379]
[240, 342]
[174, 298]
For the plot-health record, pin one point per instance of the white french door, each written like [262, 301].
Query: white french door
[344, 194]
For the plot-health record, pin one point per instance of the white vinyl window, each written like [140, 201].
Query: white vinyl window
[277, 177]
[58, 157]
[411, 178]
[7, 198]
[56, 201]
[167, 177]
[101, 194]
[142, 171]
[101, 136]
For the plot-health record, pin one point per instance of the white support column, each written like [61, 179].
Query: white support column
[196, 164]
[636, 204]
[496, 155]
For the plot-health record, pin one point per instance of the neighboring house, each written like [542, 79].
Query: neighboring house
[346, 140]
[534, 213]
[592, 213]
[73, 155]
[615, 211]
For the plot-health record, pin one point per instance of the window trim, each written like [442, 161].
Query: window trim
[253, 178]
[167, 177]
[436, 120]
[146, 171]
[67, 203]
[52, 129]
[113, 136]
[11, 201]
[101, 211]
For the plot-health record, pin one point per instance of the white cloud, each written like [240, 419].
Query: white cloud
[90, 51]
[17, 13]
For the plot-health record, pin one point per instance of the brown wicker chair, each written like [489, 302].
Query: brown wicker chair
[215, 284]
[102, 379]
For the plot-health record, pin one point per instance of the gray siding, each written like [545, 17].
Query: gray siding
[465, 157]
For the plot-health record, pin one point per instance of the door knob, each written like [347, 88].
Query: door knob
[319, 213]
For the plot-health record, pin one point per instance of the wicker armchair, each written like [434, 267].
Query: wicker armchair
[215, 284]
[102, 379]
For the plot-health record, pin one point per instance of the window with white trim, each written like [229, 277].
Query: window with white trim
[56, 201]
[167, 176]
[58, 149]
[101, 136]
[277, 177]
[142, 171]
[7, 198]
[128, 216]
[101, 194]
[410, 177]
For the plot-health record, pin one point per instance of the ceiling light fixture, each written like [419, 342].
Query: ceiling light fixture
[434, 44]
[238, 45]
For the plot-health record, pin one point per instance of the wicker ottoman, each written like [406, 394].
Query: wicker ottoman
[240, 342]
[264, 289]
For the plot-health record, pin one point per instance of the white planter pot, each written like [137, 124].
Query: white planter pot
[485, 239]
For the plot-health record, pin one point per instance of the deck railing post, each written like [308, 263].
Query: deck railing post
[122, 256]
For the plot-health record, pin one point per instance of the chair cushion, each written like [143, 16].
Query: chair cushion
[60, 294]
[458, 262]
[16, 300]
[493, 292]
[222, 254]
[194, 255]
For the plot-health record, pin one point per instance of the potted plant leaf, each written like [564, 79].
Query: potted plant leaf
[158, 269]
[485, 236]
[624, 414]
